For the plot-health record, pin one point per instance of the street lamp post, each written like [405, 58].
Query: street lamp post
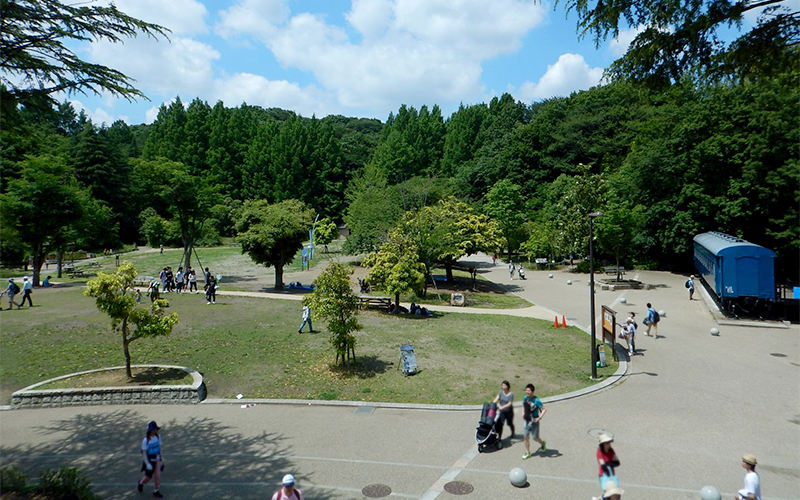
[591, 290]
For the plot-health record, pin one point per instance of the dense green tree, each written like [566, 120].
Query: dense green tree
[115, 296]
[195, 133]
[618, 230]
[41, 205]
[690, 36]
[36, 50]
[325, 232]
[272, 234]
[463, 138]
[504, 204]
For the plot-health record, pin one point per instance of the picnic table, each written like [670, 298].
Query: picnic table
[364, 301]
[77, 273]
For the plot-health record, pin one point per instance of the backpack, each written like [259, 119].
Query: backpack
[656, 316]
[14, 288]
[687, 284]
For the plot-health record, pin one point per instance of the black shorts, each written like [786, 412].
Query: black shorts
[152, 460]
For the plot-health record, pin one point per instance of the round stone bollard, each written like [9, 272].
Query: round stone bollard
[623, 300]
[662, 313]
[518, 477]
[550, 275]
[569, 282]
[714, 332]
[710, 493]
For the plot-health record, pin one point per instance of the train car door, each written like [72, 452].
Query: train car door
[747, 277]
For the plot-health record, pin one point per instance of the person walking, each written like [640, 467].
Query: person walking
[179, 280]
[690, 286]
[27, 290]
[511, 268]
[505, 408]
[608, 461]
[651, 321]
[288, 491]
[152, 288]
[532, 412]
[752, 482]
[11, 291]
[306, 319]
[211, 290]
[494, 259]
[152, 461]
[192, 281]
[630, 326]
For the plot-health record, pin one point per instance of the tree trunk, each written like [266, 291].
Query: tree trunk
[38, 259]
[279, 277]
[448, 268]
[125, 350]
[619, 274]
[187, 256]
[397, 301]
[60, 264]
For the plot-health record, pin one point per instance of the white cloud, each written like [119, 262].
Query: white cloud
[151, 114]
[159, 66]
[256, 17]
[257, 90]
[413, 51]
[98, 116]
[569, 74]
[182, 17]
[618, 46]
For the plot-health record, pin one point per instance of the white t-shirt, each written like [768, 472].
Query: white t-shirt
[752, 484]
[152, 446]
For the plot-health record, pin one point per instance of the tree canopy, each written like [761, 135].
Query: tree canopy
[36, 55]
[273, 234]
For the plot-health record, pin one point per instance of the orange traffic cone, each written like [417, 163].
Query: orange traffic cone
[563, 322]
[555, 323]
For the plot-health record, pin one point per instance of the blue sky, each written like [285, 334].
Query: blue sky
[355, 58]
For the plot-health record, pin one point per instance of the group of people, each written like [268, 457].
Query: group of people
[519, 270]
[153, 466]
[13, 289]
[179, 282]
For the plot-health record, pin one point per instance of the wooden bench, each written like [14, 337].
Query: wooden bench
[615, 270]
[365, 301]
[77, 273]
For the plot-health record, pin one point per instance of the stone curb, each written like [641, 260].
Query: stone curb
[30, 397]
[613, 379]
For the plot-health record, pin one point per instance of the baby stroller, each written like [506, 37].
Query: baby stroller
[488, 432]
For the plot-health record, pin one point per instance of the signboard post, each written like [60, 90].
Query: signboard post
[609, 329]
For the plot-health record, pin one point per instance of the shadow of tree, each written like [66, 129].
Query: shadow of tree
[364, 367]
[203, 457]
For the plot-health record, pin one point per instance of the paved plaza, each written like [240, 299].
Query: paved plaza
[688, 407]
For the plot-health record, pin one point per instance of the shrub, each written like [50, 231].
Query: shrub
[66, 483]
[12, 480]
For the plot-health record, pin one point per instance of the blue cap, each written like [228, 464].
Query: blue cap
[152, 426]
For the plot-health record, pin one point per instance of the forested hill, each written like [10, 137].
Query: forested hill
[663, 166]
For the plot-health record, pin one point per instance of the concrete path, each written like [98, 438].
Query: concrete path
[688, 408]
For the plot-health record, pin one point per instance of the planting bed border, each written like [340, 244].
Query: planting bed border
[31, 397]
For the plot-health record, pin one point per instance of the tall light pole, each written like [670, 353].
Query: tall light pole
[591, 289]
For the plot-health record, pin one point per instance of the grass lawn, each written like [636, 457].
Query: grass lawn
[251, 346]
[239, 272]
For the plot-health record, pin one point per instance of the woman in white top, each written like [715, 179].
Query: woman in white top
[152, 463]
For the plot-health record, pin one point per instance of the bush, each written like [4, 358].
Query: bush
[66, 483]
[583, 267]
[12, 480]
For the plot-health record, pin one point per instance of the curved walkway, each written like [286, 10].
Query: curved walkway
[686, 411]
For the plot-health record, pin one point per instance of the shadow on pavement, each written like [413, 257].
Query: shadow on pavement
[551, 453]
[202, 457]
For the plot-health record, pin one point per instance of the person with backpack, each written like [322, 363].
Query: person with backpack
[690, 286]
[152, 462]
[27, 290]
[532, 412]
[11, 291]
[288, 491]
[651, 321]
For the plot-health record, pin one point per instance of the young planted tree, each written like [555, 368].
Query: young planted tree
[334, 301]
[396, 267]
[272, 234]
[115, 296]
[325, 232]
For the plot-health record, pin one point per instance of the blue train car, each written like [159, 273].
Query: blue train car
[740, 273]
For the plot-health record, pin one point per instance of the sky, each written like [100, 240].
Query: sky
[362, 58]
